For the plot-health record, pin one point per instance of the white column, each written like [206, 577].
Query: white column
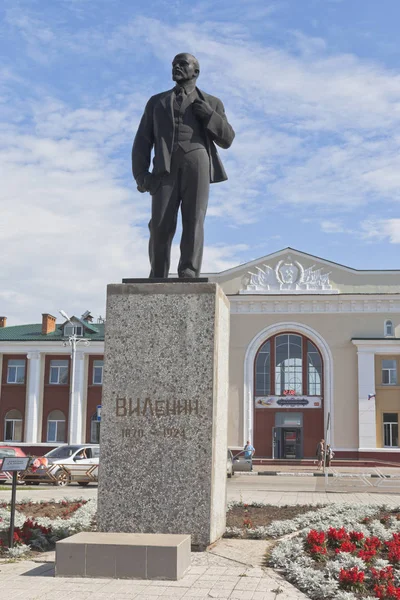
[33, 399]
[366, 408]
[76, 401]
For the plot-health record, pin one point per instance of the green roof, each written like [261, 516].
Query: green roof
[33, 333]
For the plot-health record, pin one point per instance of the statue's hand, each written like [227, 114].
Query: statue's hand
[202, 109]
[146, 184]
[150, 184]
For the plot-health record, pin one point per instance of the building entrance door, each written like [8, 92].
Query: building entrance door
[287, 442]
[291, 442]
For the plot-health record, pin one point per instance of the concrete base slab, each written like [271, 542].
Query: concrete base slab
[123, 556]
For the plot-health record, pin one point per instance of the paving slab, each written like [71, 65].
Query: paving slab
[232, 569]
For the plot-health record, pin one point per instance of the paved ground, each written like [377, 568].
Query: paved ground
[279, 490]
[231, 569]
[312, 467]
[308, 490]
[211, 575]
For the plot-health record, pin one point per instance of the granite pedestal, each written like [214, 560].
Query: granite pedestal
[164, 410]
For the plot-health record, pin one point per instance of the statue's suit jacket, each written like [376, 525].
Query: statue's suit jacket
[156, 130]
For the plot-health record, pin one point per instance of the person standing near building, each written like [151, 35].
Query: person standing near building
[329, 455]
[249, 451]
[320, 452]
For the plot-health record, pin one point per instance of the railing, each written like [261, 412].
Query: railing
[377, 478]
[55, 473]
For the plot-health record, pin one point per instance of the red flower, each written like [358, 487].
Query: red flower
[393, 547]
[17, 538]
[356, 536]
[385, 574]
[315, 538]
[387, 592]
[366, 555]
[316, 544]
[351, 578]
[346, 546]
[372, 543]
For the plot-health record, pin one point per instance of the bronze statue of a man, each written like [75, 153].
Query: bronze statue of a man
[182, 126]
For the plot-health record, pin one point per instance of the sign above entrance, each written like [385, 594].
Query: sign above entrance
[288, 402]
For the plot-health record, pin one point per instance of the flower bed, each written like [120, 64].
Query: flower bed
[344, 552]
[250, 516]
[40, 533]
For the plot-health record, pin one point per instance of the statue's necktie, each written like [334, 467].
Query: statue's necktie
[179, 96]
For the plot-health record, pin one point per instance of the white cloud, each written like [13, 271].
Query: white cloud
[69, 224]
[331, 226]
[315, 130]
[382, 229]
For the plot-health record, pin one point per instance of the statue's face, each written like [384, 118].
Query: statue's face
[184, 68]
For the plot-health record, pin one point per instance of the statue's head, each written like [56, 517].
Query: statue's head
[185, 67]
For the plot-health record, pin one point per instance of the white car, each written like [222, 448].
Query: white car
[64, 465]
[229, 465]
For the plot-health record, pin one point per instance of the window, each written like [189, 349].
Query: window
[59, 372]
[94, 430]
[13, 426]
[390, 429]
[98, 372]
[56, 426]
[288, 362]
[16, 371]
[389, 371]
[73, 330]
[388, 328]
[263, 367]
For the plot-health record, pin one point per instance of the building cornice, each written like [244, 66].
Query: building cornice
[377, 346]
[312, 303]
[13, 347]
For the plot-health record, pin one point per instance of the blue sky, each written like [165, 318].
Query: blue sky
[311, 87]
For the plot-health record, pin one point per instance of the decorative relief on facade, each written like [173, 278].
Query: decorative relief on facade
[288, 276]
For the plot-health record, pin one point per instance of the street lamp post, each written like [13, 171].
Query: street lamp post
[74, 425]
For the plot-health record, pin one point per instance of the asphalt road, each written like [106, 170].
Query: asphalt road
[277, 490]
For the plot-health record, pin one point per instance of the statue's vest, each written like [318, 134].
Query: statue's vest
[189, 133]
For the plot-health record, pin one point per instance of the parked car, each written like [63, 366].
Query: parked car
[229, 465]
[64, 465]
[8, 451]
[241, 463]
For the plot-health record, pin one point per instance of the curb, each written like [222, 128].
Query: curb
[286, 474]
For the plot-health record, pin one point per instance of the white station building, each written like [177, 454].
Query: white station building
[314, 352]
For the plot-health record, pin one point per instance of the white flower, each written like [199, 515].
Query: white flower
[17, 551]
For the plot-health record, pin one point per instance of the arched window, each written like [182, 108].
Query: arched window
[56, 426]
[388, 328]
[94, 430]
[13, 426]
[288, 362]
